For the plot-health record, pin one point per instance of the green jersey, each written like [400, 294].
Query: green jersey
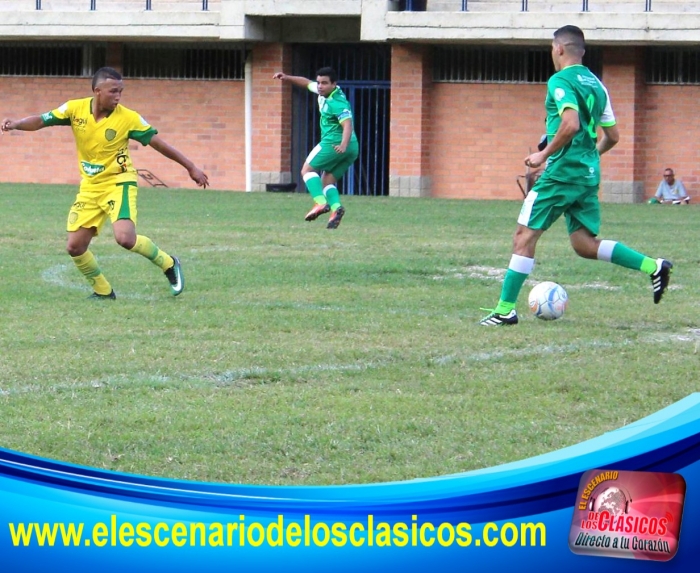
[334, 109]
[577, 88]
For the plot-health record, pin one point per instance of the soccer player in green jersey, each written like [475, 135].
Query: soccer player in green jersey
[336, 152]
[577, 103]
[102, 128]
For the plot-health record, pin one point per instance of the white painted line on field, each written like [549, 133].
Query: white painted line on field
[497, 274]
[529, 351]
[224, 378]
[57, 275]
[323, 308]
[257, 371]
[246, 248]
[593, 286]
[494, 274]
[692, 336]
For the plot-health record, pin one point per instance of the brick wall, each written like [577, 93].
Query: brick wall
[204, 120]
[671, 136]
[459, 140]
[481, 135]
[482, 132]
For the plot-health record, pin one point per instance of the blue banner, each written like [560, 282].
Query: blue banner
[62, 517]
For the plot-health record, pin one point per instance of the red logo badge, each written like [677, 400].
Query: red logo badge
[633, 515]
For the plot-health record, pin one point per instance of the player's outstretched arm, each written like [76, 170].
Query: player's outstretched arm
[164, 148]
[297, 81]
[31, 123]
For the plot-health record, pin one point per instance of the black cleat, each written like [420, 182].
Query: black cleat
[110, 296]
[660, 278]
[175, 277]
[336, 216]
[495, 319]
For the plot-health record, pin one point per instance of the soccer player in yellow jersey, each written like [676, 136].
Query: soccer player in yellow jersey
[102, 128]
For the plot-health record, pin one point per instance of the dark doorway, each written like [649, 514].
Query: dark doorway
[364, 75]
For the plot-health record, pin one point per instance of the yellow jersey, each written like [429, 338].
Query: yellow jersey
[103, 146]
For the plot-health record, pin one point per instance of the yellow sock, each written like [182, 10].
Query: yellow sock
[147, 248]
[87, 265]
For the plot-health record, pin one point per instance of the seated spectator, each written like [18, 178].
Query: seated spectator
[671, 190]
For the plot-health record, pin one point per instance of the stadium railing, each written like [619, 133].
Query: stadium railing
[423, 5]
[147, 4]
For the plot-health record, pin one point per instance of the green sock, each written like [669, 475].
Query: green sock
[512, 284]
[622, 255]
[519, 269]
[333, 197]
[504, 307]
[648, 266]
[625, 257]
[315, 188]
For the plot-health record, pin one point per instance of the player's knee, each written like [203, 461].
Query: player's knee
[75, 250]
[524, 241]
[586, 249]
[127, 241]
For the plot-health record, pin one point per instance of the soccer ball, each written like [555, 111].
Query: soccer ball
[548, 300]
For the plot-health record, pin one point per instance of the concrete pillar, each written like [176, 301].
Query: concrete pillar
[623, 167]
[411, 84]
[272, 116]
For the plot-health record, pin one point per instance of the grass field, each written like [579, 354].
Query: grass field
[298, 355]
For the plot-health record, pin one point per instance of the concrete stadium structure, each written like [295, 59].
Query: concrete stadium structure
[461, 139]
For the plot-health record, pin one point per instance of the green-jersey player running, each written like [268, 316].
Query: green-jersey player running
[336, 152]
[577, 104]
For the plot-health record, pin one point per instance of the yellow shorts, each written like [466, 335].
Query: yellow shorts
[93, 205]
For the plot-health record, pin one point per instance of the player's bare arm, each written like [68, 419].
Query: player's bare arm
[347, 134]
[568, 128]
[31, 123]
[297, 81]
[611, 136]
[164, 148]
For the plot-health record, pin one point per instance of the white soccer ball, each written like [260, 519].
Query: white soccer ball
[548, 300]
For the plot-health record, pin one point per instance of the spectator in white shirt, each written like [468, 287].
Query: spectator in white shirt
[671, 190]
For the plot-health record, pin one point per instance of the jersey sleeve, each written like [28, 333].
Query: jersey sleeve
[313, 87]
[607, 119]
[344, 115]
[341, 110]
[140, 130]
[562, 94]
[60, 116]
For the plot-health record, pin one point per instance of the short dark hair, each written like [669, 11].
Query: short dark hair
[103, 74]
[571, 36]
[330, 72]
